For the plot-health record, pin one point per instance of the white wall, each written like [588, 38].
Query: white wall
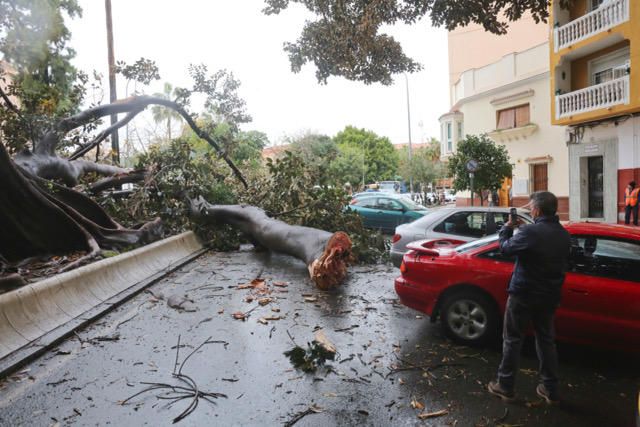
[547, 140]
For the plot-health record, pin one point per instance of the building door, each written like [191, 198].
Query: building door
[596, 185]
[540, 177]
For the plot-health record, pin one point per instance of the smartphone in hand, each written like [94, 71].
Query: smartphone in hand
[513, 216]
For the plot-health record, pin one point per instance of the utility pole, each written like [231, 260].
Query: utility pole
[115, 143]
[406, 79]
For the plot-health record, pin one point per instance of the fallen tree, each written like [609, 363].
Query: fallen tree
[327, 255]
[39, 218]
[43, 161]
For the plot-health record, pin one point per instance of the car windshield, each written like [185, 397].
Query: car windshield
[476, 244]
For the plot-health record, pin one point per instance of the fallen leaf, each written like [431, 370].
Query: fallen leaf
[248, 298]
[310, 299]
[272, 318]
[426, 415]
[221, 311]
[238, 315]
[275, 310]
[417, 405]
[263, 321]
[280, 284]
[401, 381]
[330, 395]
[265, 301]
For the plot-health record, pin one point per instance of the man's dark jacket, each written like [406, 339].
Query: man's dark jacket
[542, 251]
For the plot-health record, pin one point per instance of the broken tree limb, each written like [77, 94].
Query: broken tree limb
[44, 161]
[39, 218]
[327, 255]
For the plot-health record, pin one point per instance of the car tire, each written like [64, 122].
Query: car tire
[470, 318]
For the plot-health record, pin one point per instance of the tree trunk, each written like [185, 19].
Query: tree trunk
[326, 255]
[39, 217]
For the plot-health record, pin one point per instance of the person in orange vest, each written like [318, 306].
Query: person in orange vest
[631, 203]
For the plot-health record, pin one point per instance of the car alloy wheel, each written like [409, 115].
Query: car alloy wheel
[469, 317]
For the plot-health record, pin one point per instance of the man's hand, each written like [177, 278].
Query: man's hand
[518, 223]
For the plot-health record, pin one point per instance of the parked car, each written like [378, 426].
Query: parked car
[460, 224]
[449, 196]
[466, 286]
[386, 211]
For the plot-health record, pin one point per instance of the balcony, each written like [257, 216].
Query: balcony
[604, 95]
[607, 15]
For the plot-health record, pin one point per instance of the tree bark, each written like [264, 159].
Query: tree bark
[327, 255]
[39, 218]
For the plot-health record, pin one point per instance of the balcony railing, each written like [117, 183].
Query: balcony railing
[604, 95]
[609, 14]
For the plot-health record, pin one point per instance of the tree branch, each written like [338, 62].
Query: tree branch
[128, 105]
[103, 135]
[117, 180]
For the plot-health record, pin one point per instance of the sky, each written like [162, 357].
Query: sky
[235, 35]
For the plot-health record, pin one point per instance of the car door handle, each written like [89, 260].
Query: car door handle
[578, 291]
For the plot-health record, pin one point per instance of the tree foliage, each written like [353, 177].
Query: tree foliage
[315, 150]
[380, 157]
[425, 165]
[347, 40]
[33, 39]
[493, 161]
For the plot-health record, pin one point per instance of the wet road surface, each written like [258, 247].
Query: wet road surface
[374, 381]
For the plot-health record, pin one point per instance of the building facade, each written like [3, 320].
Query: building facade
[509, 101]
[595, 93]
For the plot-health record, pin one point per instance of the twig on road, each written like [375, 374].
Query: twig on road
[177, 392]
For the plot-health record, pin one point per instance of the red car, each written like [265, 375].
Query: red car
[466, 286]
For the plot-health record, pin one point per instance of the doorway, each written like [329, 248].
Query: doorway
[595, 186]
[540, 177]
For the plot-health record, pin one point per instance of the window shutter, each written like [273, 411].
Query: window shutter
[522, 115]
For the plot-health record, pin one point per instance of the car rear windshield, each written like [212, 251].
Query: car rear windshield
[476, 244]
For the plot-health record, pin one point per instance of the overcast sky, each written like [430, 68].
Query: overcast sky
[235, 35]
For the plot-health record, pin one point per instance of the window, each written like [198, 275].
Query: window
[497, 255]
[389, 205]
[501, 218]
[449, 137]
[468, 224]
[605, 257]
[609, 67]
[514, 117]
[368, 202]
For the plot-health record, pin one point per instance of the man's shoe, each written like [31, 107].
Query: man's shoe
[496, 389]
[550, 398]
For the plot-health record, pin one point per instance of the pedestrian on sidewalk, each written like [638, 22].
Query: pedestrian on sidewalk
[631, 203]
[542, 251]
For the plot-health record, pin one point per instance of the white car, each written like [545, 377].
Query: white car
[463, 224]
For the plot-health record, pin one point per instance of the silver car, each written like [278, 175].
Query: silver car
[464, 224]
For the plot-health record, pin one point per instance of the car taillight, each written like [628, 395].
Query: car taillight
[395, 238]
[403, 267]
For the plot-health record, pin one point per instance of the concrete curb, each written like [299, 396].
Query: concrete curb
[38, 315]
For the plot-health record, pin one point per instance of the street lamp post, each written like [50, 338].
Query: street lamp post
[406, 79]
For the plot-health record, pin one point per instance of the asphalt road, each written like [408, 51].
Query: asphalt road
[373, 381]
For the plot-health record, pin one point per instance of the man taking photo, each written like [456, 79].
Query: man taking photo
[541, 251]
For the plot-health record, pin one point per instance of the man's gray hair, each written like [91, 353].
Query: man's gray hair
[546, 201]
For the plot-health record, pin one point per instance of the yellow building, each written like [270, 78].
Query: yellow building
[595, 91]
